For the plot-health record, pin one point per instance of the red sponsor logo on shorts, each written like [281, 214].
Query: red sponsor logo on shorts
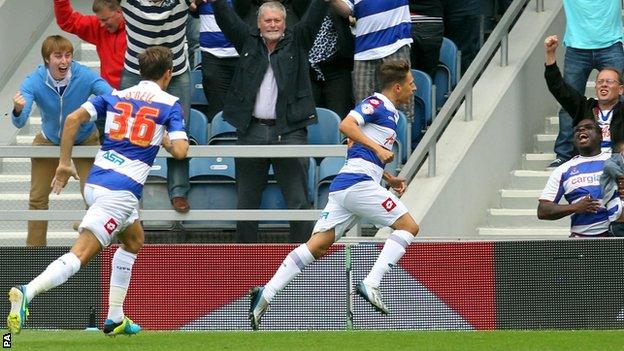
[110, 226]
[388, 205]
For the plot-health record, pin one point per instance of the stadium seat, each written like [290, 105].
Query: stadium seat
[198, 127]
[221, 132]
[403, 148]
[424, 105]
[197, 90]
[197, 60]
[213, 186]
[326, 131]
[328, 169]
[447, 71]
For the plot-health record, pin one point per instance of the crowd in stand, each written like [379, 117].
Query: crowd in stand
[266, 65]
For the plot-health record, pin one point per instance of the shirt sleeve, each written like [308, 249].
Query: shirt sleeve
[96, 106]
[175, 123]
[554, 187]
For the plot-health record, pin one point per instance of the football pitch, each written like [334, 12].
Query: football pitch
[315, 341]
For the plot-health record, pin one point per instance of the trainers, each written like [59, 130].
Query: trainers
[19, 309]
[556, 163]
[258, 306]
[373, 296]
[125, 327]
[180, 204]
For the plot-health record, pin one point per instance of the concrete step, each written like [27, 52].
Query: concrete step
[520, 198]
[20, 183]
[32, 126]
[529, 180]
[87, 52]
[525, 232]
[505, 217]
[19, 201]
[552, 125]
[93, 65]
[54, 238]
[15, 166]
[544, 143]
[537, 162]
[24, 140]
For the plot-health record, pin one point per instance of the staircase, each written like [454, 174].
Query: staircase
[15, 179]
[516, 215]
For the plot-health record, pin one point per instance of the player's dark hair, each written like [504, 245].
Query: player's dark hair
[154, 62]
[393, 72]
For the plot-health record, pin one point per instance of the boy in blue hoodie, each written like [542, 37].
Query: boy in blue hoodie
[58, 87]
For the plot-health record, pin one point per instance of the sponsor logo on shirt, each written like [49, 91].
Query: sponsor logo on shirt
[585, 179]
[113, 157]
[374, 102]
[368, 109]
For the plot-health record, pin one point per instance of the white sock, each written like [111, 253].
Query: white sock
[293, 264]
[121, 271]
[393, 250]
[54, 275]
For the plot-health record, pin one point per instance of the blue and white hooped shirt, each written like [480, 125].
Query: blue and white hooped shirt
[136, 119]
[378, 119]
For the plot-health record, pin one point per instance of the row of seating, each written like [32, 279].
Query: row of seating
[213, 186]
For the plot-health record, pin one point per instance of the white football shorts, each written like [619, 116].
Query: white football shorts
[110, 212]
[362, 200]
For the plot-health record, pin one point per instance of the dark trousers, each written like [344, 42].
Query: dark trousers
[291, 175]
[425, 50]
[464, 32]
[335, 92]
[217, 75]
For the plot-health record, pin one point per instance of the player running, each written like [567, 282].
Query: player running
[356, 193]
[138, 120]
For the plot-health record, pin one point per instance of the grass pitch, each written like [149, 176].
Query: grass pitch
[317, 341]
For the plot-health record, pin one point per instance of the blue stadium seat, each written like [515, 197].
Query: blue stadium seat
[198, 127]
[326, 131]
[328, 169]
[403, 147]
[197, 90]
[213, 186]
[423, 105]
[447, 71]
[221, 132]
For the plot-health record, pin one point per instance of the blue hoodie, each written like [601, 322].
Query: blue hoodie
[54, 108]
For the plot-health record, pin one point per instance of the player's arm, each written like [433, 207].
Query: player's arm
[70, 129]
[551, 210]
[350, 127]
[178, 148]
[396, 183]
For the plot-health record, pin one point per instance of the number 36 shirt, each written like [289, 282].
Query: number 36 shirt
[136, 119]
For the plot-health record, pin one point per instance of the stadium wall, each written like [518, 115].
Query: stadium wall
[474, 159]
[436, 286]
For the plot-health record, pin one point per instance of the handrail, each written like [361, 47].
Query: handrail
[463, 90]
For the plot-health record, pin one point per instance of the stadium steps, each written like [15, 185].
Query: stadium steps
[516, 214]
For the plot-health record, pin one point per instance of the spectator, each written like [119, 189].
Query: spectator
[390, 23]
[192, 33]
[578, 180]
[270, 102]
[58, 87]
[427, 33]
[593, 40]
[331, 60]
[106, 30]
[153, 23]
[248, 10]
[461, 25]
[219, 60]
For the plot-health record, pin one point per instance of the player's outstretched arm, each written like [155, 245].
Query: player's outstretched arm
[177, 148]
[70, 129]
[397, 184]
[551, 211]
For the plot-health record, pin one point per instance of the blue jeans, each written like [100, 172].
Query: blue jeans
[177, 170]
[577, 66]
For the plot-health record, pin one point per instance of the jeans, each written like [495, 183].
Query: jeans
[425, 50]
[577, 66]
[464, 32]
[177, 170]
[217, 75]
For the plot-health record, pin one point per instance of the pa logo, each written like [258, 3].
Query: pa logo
[6, 341]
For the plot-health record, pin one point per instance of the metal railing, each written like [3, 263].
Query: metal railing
[464, 89]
